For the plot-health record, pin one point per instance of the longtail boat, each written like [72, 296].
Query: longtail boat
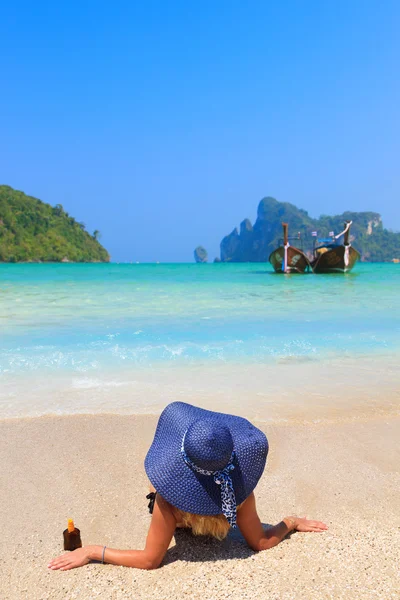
[287, 258]
[331, 257]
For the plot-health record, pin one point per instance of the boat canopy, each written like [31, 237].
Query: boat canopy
[325, 241]
[333, 238]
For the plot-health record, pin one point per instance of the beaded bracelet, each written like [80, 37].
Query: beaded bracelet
[293, 522]
[102, 558]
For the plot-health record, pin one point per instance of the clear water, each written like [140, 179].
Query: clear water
[127, 337]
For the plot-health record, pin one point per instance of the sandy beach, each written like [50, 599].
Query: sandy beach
[90, 468]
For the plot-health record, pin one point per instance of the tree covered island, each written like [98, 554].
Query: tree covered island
[33, 231]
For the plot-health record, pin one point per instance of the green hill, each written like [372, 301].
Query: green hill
[255, 243]
[33, 231]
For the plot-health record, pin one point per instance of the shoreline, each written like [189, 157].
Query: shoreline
[292, 392]
[294, 421]
[90, 468]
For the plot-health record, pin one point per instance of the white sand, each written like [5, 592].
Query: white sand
[90, 468]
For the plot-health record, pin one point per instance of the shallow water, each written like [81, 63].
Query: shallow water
[126, 338]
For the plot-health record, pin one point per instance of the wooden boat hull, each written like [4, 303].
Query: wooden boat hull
[339, 259]
[297, 261]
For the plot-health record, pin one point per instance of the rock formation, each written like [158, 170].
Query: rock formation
[255, 243]
[200, 255]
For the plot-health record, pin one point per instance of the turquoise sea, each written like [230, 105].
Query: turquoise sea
[129, 337]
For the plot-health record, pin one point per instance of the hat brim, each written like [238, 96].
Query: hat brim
[179, 484]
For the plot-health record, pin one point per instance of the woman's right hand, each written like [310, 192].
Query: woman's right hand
[306, 525]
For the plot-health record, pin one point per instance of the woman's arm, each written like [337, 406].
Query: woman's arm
[259, 539]
[160, 533]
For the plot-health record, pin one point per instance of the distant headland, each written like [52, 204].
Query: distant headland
[33, 231]
[254, 243]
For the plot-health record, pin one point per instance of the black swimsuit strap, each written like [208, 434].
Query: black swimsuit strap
[152, 498]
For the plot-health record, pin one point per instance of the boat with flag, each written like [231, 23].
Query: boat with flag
[330, 256]
[287, 258]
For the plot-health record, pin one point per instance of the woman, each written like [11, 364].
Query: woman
[204, 467]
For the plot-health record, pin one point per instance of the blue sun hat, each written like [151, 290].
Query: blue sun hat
[204, 462]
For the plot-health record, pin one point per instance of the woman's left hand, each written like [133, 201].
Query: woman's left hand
[72, 560]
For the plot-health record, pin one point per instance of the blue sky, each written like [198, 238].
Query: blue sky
[162, 124]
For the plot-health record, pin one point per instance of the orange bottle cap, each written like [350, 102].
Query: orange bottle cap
[71, 525]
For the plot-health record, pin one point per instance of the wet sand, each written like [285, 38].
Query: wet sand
[90, 468]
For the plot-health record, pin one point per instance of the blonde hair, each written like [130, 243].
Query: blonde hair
[215, 525]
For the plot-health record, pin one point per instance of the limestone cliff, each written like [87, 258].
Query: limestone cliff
[255, 243]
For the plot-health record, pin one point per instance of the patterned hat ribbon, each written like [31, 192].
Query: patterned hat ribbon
[221, 477]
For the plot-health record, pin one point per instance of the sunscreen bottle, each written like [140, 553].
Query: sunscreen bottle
[72, 537]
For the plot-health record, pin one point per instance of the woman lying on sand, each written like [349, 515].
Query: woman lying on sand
[204, 467]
